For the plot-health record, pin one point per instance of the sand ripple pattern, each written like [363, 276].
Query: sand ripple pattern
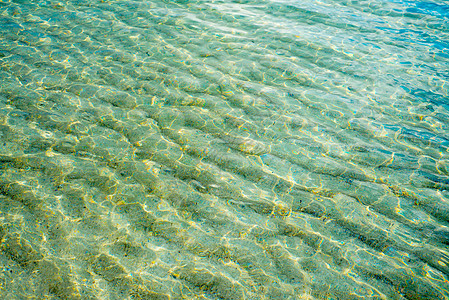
[224, 149]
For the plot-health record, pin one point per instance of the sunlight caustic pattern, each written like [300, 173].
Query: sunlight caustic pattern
[224, 149]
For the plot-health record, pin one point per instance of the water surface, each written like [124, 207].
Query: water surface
[224, 149]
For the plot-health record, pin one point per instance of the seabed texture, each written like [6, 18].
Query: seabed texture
[224, 149]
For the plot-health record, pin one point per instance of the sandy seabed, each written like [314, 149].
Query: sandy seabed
[224, 150]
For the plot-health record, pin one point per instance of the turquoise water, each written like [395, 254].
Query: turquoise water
[224, 149]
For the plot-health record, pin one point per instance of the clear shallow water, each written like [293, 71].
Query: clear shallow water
[224, 150]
